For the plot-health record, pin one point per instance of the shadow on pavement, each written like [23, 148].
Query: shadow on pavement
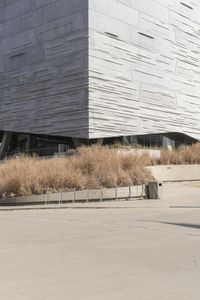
[196, 226]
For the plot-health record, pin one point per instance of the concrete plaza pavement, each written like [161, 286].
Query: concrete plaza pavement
[125, 250]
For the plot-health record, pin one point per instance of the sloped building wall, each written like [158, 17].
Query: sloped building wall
[144, 67]
[43, 67]
[143, 60]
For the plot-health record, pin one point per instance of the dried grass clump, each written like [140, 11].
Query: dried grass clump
[92, 167]
[183, 155]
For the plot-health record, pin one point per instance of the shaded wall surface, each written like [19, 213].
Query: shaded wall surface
[144, 67]
[44, 67]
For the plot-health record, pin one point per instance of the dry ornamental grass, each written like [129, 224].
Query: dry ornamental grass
[183, 155]
[92, 167]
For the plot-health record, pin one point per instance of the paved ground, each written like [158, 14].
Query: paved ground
[126, 250]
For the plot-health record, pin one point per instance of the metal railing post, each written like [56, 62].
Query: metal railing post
[74, 199]
[87, 195]
[61, 195]
[116, 194]
[47, 196]
[130, 193]
[101, 198]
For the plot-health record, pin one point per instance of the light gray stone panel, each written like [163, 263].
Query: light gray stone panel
[144, 67]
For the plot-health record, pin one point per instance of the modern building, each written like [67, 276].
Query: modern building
[75, 71]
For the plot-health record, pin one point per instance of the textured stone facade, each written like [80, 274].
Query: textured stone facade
[44, 67]
[144, 67]
[143, 58]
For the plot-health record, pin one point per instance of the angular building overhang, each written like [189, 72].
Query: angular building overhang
[93, 69]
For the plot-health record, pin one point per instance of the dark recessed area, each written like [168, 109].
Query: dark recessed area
[111, 34]
[186, 5]
[146, 35]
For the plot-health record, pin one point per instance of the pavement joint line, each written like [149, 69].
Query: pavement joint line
[185, 206]
[78, 207]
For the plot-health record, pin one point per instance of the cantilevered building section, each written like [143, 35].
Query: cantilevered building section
[144, 67]
[81, 70]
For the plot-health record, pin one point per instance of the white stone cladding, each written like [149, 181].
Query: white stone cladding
[144, 67]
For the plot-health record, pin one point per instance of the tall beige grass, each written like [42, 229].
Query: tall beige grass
[182, 155]
[92, 167]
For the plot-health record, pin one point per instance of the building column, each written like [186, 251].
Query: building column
[5, 143]
[168, 143]
[100, 142]
[76, 142]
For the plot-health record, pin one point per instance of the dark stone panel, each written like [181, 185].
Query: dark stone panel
[44, 67]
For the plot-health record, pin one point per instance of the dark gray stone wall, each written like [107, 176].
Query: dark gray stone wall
[144, 74]
[44, 67]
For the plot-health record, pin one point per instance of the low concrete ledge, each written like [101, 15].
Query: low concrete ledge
[173, 173]
[133, 192]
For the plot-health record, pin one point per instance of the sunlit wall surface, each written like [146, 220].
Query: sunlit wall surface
[144, 62]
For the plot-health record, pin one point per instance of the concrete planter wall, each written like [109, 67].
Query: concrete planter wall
[79, 196]
[176, 173]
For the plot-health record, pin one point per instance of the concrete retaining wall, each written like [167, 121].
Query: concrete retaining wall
[152, 153]
[176, 173]
[79, 196]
